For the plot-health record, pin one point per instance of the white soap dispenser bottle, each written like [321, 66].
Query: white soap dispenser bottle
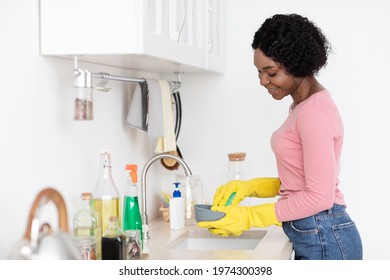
[176, 209]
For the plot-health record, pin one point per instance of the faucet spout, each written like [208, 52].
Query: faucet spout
[187, 171]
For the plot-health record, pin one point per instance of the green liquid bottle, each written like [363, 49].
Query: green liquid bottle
[131, 213]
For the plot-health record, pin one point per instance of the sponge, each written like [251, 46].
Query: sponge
[229, 202]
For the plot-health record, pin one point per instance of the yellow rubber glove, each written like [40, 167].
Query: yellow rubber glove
[240, 218]
[258, 187]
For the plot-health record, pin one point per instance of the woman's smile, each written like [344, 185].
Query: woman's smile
[271, 90]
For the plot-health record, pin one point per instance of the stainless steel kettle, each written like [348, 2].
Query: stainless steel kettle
[39, 240]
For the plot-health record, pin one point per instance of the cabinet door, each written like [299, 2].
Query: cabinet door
[215, 36]
[152, 35]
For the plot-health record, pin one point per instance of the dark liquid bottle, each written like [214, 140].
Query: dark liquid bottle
[113, 248]
[113, 241]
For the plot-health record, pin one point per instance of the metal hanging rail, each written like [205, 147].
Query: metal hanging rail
[84, 88]
[107, 76]
[83, 80]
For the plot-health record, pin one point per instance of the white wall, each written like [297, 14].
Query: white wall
[41, 145]
[231, 112]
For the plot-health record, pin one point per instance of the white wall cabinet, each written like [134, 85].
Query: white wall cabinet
[162, 36]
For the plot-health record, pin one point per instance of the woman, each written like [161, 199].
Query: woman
[289, 50]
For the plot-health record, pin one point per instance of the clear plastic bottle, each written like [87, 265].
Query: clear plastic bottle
[106, 197]
[113, 241]
[131, 213]
[85, 228]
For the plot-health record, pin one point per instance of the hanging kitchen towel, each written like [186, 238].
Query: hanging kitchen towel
[167, 142]
[137, 115]
[155, 113]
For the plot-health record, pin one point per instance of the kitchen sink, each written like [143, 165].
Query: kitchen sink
[202, 239]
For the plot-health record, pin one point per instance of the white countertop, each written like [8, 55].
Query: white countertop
[273, 246]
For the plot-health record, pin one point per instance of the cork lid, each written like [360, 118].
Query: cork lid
[237, 156]
[86, 195]
[113, 218]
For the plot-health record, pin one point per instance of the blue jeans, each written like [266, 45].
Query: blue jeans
[328, 235]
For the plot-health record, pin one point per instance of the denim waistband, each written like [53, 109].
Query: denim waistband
[336, 210]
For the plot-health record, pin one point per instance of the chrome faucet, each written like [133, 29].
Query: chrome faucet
[187, 171]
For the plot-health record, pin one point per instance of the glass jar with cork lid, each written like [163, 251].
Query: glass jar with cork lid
[236, 168]
[237, 171]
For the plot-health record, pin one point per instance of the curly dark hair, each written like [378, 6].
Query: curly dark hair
[294, 42]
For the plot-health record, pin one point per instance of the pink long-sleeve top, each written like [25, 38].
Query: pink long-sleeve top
[307, 148]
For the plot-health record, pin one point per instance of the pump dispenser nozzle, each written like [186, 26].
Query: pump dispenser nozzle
[132, 168]
[176, 192]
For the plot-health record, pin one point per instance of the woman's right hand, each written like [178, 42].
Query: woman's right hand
[258, 187]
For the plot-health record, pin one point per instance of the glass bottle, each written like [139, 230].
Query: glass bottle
[84, 96]
[106, 198]
[85, 229]
[192, 191]
[83, 104]
[131, 213]
[113, 241]
[133, 244]
[193, 195]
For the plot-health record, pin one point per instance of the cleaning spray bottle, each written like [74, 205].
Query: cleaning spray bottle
[131, 213]
[176, 209]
